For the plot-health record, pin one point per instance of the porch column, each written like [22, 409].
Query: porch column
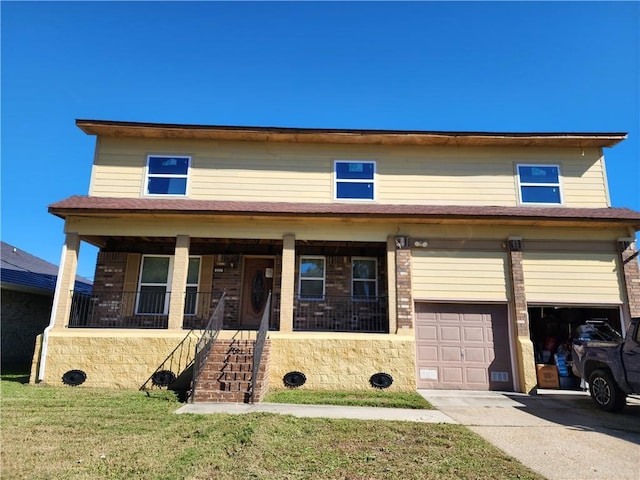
[179, 282]
[404, 298]
[518, 305]
[65, 281]
[288, 282]
[391, 284]
[631, 277]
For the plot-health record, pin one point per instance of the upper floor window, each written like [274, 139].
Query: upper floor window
[312, 277]
[354, 180]
[364, 277]
[539, 184]
[167, 175]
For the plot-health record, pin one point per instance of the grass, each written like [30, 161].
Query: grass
[85, 433]
[356, 398]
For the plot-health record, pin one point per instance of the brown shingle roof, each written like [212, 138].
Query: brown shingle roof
[86, 205]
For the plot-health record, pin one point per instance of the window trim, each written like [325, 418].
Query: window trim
[324, 277]
[191, 285]
[530, 184]
[374, 279]
[147, 176]
[337, 180]
[166, 285]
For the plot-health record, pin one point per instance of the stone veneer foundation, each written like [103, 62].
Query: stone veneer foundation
[122, 359]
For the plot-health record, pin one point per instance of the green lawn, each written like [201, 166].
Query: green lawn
[84, 433]
[375, 398]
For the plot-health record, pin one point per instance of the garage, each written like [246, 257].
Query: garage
[565, 290]
[463, 346]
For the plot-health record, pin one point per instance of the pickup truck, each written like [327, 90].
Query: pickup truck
[608, 363]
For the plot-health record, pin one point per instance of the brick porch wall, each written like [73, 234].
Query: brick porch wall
[631, 273]
[404, 297]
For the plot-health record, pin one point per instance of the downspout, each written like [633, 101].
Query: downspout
[52, 318]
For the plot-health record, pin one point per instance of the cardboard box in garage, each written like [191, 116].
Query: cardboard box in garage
[547, 376]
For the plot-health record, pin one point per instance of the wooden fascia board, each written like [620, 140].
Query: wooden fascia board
[376, 218]
[361, 137]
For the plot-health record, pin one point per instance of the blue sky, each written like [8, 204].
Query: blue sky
[478, 66]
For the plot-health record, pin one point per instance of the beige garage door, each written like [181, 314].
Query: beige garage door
[463, 347]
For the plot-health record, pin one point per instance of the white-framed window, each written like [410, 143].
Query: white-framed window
[539, 184]
[364, 277]
[154, 285]
[193, 280]
[312, 277]
[167, 175]
[354, 180]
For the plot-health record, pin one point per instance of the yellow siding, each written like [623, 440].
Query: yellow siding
[278, 172]
[571, 277]
[461, 275]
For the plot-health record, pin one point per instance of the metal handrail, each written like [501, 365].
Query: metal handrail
[205, 344]
[259, 346]
[177, 362]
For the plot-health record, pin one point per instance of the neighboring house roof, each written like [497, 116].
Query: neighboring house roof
[22, 271]
[140, 206]
[352, 136]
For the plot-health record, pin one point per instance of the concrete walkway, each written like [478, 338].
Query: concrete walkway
[321, 411]
[557, 433]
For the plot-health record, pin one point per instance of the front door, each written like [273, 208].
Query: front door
[257, 282]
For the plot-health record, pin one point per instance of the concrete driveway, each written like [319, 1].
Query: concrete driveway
[557, 433]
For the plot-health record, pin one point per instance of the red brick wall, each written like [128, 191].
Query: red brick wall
[629, 257]
[404, 299]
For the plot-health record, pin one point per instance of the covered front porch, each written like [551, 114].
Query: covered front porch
[165, 283]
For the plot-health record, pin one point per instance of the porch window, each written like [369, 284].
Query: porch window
[167, 175]
[154, 282]
[354, 180]
[193, 278]
[539, 184]
[312, 278]
[364, 277]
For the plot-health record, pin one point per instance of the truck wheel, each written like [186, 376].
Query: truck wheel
[605, 392]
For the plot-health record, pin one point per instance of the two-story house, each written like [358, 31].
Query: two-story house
[452, 260]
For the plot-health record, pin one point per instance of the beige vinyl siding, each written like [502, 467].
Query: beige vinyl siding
[584, 187]
[459, 275]
[581, 278]
[279, 172]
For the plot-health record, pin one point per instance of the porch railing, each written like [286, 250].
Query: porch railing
[341, 313]
[258, 347]
[139, 309]
[205, 344]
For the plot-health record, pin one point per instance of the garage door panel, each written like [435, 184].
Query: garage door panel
[474, 334]
[475, 355]
[450, 334]
[477, 376]
[452, 375]
[450, 354]
[429, 333]
[463, 346]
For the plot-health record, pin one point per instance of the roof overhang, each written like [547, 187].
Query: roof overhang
[126, 207]
[347, 136]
